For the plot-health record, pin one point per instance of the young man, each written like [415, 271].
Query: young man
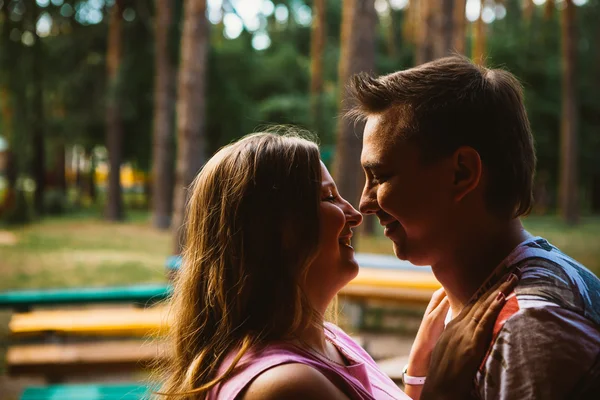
[449, 161]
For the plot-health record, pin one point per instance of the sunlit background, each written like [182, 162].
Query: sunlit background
[98, 99]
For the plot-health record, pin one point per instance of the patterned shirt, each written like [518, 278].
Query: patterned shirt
[546, 342]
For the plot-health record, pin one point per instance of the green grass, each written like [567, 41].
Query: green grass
[82, 250]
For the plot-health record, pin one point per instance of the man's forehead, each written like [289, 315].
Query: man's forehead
[379, 140]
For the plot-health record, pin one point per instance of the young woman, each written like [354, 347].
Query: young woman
[268, 248]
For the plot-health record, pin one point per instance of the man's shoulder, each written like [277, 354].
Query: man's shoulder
[551, 278]
[533, 346]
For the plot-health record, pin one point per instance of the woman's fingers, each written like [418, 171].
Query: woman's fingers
[436, 299]
[490, 298]
[438, 315]
[485, 326]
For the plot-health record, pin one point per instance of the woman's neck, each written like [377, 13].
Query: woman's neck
[314, 336]
[314, 340]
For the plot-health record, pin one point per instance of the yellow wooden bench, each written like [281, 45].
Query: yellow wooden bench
[371, 283]
[128, 321]
[398, 285]
[56, 361]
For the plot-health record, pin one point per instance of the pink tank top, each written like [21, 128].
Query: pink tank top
[362, 379]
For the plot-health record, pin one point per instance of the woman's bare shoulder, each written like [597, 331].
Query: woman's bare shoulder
[292, 381]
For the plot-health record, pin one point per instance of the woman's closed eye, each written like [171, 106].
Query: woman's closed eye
[331, 198]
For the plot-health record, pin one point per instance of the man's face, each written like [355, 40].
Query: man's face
[411, 199]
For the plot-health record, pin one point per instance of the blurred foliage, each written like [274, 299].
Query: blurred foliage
[248, 88]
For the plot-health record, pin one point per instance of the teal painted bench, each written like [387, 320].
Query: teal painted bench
[379, 261]
[24, 300]
[87, 392]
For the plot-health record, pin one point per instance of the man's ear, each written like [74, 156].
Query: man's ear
[468, 168]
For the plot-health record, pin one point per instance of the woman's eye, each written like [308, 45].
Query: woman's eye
[330, 198]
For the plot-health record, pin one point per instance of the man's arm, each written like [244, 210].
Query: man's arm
[540, 353]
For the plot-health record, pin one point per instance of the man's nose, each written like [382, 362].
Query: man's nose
[368, 201]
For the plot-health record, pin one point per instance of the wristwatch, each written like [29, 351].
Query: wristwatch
[412, 380]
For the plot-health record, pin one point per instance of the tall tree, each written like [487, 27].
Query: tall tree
[317, 48]
[357, 54]
[389, 22]
[411, 22]
[426, 27]
[191, 104]
[441, 28]
[444, 34]
[114, 123]
[164, 98]
[479, 39]
[568, 184]
[460, 26]
[14, 118]
[549, 9]
[37, 114]
[528, 8]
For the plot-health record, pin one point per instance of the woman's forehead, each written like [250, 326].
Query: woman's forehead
[326, 179]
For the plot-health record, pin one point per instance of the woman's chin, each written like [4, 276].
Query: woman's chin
[351, 268]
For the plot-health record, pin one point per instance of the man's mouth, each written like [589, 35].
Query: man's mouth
[391, 227]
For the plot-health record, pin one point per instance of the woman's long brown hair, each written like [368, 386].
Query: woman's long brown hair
[252, 230]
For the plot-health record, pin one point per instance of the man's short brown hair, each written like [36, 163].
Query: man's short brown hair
[451, 102]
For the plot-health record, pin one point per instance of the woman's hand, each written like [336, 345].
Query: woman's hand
[429, 332]
[463, 344]
[432, 326]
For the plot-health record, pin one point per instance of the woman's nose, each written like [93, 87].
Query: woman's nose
[353, 216]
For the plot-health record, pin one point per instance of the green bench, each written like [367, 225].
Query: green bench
[24, 300]
[130, 391]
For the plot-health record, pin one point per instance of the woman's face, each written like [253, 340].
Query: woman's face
[334, 265]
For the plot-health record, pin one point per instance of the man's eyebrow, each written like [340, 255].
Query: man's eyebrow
[372, 165]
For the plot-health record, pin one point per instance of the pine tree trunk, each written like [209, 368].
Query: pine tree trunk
[460, 26]
[444, 36]
[191, 102]
[437, 30]
[90, 185]
[357, 55]
[569, 186]
[528, 8]
[60, 167]
[163, 143]
[549, 9]
[114, 124]
[317, 49]
[478, 52]
[411, 22]
[390, 32]
[37, 121]
[425, 27]
[15, 118]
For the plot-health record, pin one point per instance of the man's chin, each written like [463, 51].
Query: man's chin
[400, 252]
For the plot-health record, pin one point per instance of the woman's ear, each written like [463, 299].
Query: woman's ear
[468, 168]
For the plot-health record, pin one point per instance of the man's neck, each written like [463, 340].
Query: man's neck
[466, 266]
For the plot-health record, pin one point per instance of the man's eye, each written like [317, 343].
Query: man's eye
[379, 178]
